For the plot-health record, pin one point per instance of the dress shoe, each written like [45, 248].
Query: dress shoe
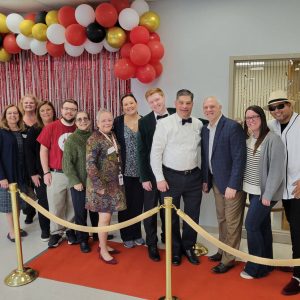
[153, 253]
[11, 239]
[215, 257]
[176, 260]
[221, 268]
[84, 247]
[112, 251]
[292, 288]
[191, 256]
[112, 261]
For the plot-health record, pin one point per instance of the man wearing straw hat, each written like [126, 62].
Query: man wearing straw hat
[287, 125]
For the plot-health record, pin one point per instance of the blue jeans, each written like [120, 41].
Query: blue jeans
[259, 235]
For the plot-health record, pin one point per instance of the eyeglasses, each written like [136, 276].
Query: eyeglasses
[69, 109]
[79, 120]
[278, 106]
[252, 118]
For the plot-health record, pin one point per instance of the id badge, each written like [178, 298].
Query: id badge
[121, 181]
[111, 150]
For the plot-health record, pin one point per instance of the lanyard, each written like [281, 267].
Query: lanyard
[112, 141]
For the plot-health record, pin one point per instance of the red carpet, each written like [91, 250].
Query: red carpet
[138, 276]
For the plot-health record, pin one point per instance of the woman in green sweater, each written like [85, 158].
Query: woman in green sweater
[74, 166]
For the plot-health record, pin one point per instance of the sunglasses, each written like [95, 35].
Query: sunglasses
[278, 106]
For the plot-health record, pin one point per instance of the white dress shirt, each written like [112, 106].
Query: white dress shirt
[175, 146]
[212, 132]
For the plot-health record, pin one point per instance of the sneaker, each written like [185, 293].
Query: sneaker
[292, 288]
[139, 241]
[245, 275]
[55, 240]
[45, 236]
[71, 237]
[129, 244]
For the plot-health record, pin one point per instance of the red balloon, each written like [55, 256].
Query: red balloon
[55, 50]
[120, 4]
[158, 68]
[139, 35]
[140, 54]
[154, 36]
[145, 74]
[124, 69]
[10, 44]
[157, 50]
[30, 16]
[66, 16]
[125, 50]
[75, 34]
[106, 15]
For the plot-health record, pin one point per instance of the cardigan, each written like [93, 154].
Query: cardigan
[74, 157]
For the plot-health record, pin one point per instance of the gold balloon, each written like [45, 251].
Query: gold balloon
[116, 37]
[51, 17]
[39, 32]
[26, 27]
[150, 20]
[4, 55]
[3, 27]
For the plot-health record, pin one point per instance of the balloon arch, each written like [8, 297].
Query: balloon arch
[114, 26]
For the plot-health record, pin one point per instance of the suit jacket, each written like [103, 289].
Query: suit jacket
[228, 158]
[147, 126]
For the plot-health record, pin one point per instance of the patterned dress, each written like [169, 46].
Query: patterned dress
[102, 173]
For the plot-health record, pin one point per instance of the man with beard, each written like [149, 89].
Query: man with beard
[52, 139]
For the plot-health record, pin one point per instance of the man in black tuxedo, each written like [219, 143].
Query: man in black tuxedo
[156, 100]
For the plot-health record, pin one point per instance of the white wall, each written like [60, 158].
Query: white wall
[200, 36]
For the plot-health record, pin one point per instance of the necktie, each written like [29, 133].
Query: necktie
[161, 117]
[188, 120]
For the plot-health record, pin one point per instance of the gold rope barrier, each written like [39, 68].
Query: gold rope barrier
[235, 252]
[22, 275]
[70, 225]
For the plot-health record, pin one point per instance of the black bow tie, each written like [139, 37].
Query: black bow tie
[161, 117]
[189, 120]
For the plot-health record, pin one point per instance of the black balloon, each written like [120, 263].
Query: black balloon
[1, 40]
[40, 17]
[95, 32]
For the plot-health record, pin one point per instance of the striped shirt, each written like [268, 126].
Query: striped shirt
[251, 176]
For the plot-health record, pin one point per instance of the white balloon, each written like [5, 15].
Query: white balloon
[108, 47]
[84, 15]
[13, 21]
[74, 50]
[140, 6]
[93, 48]
[23, 41]
[56, 34]
[128, 18]
[38, 47]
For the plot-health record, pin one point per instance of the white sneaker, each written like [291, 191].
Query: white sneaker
[245, 275]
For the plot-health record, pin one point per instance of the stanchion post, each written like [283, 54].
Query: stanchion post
[21, 275]
[168, 239]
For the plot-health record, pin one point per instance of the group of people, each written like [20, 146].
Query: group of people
[131, 163]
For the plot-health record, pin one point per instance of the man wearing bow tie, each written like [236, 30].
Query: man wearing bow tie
[175, 161]
[156, 100]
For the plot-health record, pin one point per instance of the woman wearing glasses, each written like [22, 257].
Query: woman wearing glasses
[74, 167]
[264, 183]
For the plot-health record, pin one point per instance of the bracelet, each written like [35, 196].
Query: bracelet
[47, 173]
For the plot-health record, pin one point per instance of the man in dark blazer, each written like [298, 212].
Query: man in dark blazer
[156, 100]
[223, 164]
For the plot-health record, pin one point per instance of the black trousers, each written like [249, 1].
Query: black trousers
[151, 200]
[189, 187]
[135, 200]
[292, 212]
[78, 200]
[41, 193]
[28, 210]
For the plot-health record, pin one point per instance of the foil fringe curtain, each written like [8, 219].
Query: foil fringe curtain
[89, 79]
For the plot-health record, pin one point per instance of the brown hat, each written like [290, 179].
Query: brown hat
[278, 97]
